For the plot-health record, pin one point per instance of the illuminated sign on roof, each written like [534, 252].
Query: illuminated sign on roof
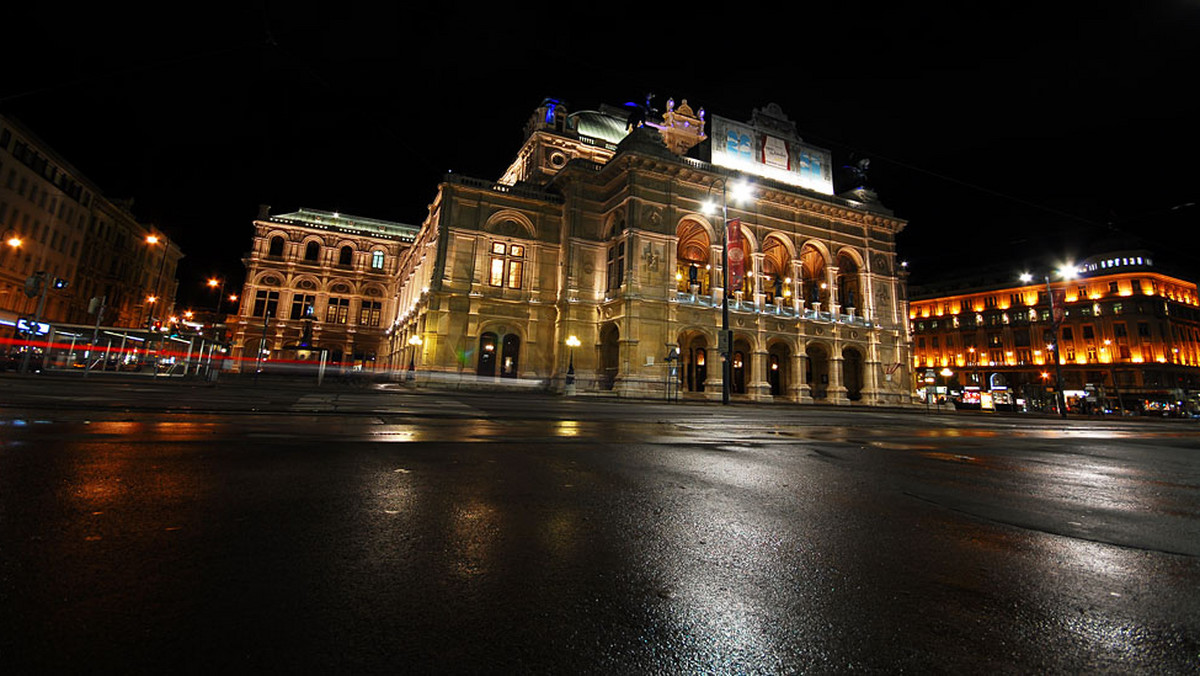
[770, 154]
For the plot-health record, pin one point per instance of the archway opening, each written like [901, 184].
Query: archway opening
[691, 258]
[610, 356]
[852, 373]
[487, 355]
[694, 353]
[779, 368]
[817, 371]
[740, 366]
[849, 292]
[776, 270]
[510, 359]
[812, 275]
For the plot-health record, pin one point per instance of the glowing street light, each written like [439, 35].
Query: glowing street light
[152, 240]
[742, 192]
[1066, 272]
[414, 341]
[572, 342]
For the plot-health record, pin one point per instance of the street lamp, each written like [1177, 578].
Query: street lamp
[214, 283]
[572, 343]
[414, 342]
[1066, 272]
[152, 240]
[945, 373]
[742, 192]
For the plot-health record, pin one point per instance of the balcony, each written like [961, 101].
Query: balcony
[814, 314]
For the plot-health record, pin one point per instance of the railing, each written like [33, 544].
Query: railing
[518, 191]
[775, 309]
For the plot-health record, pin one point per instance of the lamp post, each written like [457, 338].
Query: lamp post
[742, 191]
[213, 283]
[39, 282]
[1066, 272]
[152, 240]
[945, 373]
[572, 343]
[414, 342]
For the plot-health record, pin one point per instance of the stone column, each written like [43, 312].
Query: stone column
[758, 387]
[755, 273]
[799, 387]
[831, 280]
[837, 388]
[871, 370]
[715, 281]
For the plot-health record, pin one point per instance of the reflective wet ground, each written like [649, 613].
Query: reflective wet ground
[389, 531]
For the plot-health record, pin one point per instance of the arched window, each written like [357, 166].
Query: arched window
[849, 294]
[312, 252]
[812, 275]
[691, 256]
[276, 250]
[776, 265]
[376, 260]
[346, 255]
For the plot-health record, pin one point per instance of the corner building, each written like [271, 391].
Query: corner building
[600, 233]
[317, 281]
[1129, 338]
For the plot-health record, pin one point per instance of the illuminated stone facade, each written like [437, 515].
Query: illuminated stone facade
[317, 280]
[599, 233]
[1130, 337]
[70, 231]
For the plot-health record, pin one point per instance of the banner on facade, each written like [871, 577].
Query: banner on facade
[1059, 303]
[737, 255]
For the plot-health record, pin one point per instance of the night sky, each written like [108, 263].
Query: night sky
[1010, 136]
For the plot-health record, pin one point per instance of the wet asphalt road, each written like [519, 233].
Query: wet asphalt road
[156, 527]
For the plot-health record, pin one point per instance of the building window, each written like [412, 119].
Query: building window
[302, 306]
[276, 250]
[266, 303]
[376, 260]
[338, 310]
[312, 251]
[1089, 332]
[346, 256]
[616, 265]
[507, 265]
[370, 313]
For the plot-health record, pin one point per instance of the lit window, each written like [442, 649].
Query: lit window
[507, 266]
[338, 310]
[376, 260]
[370, 313]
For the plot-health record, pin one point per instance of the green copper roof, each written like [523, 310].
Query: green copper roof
[352, 224]
[598, 125]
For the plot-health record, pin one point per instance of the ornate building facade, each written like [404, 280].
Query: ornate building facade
[318, 281]
[1129, 337]
[601, 235]
[55, 220]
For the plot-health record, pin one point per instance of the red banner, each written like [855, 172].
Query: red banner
[737, 255]
[1058, 302]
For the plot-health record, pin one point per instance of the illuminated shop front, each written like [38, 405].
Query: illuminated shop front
[1128, 338]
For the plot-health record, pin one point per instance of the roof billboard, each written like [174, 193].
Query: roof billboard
[767, 153]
